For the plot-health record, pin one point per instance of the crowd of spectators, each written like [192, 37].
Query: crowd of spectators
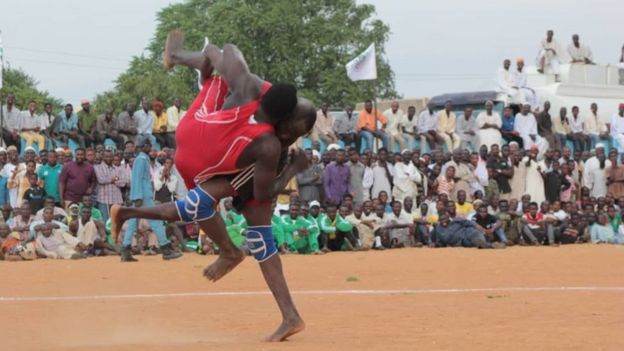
[437, 180]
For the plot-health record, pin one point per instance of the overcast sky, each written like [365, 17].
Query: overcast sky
[76, 48]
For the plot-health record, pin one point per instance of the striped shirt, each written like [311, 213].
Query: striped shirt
[109, 192]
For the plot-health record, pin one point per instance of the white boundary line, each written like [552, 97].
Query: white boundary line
[617, 289]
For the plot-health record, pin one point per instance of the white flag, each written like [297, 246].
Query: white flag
[363, 67]
[1, 61]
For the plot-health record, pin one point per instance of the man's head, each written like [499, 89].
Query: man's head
[396, 208]
[383, 197]
[368, 106]
[10, 99]
[24, 210]
[48, 202]
[482, 211]
[461, 197]
[546, 106]
[108, 157]
[130, 108]
[297, 123]
[575, 111]
[69, 109]
[145, 105]
[448, 105]
[90, 155]
[354, 156]
[32, 106]
[408, 204]
[520, 64]
[80, 156]
[506, 64]
[32, 180]
[293, 210]
[158, 107]
[367, 207]
[331, 210]
[87, 201]
[394, 106]
[575, 39]
[549, 34]
[146, 146]
[563, 112]
[467, 112]
[340, 156]
[533, 209]
[526, 108]
[489, 105]
[411, 111]
[85, 214]
[4, 230]
[46, 230]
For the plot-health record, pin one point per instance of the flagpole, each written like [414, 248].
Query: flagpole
[1, 83]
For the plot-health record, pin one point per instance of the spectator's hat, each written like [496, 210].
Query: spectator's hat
[316, 154]
[600, 146]
[519, 60]
[333, 147]
[405, 151]
[30, 148]
[85, 101]
[59, 149]
[622, 105]
[315, 203]
[12, 148]
[2, 150]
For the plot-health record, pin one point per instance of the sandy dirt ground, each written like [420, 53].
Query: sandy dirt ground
[565, 298]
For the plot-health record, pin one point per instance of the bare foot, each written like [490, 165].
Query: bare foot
[174, 43]
[223, 265]
[117, 220]
[287, 329]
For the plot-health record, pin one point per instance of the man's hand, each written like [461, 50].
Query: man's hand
[138, 203]
[299, 160]
[163, 129]
[533, 137]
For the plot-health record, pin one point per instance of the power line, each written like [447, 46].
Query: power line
[64, 63]
[64, 53]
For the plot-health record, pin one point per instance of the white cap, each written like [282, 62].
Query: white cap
[315, 203]
[316, 154]
[2, 149]
[333, 147]
[600, 146]
[29, 148]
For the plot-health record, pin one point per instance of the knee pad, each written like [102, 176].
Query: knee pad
[261, 242]
[197, 206]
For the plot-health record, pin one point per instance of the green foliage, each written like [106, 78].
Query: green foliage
[24, 87]
[305, 42]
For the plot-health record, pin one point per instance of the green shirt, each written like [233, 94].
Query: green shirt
[235, 226]
[86, 121]
[50, 177]
[278, 228]
[338, 224]
[96, 214]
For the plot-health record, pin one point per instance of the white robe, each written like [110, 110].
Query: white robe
[534, 184]
[504, 84]
[552, 60]
[595, 178]
[527, 95]
[406, 180]
[617, 131]
[488, 136]
[380, 180]
[581, 53]
[527, 126]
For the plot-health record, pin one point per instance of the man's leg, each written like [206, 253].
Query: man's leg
[274, 276]
[447, 141]
[368, 137]
[176, 55]
[528, 235]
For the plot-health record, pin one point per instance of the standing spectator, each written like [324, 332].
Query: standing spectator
[616, 176]
[68, 127]
[367, 126]
[406, 178]
[128, 124]
[595, 173]
[142, 194]
[160, 125]
[165, 183]
[526, 127]
[579, 53]
[545, 127]
[49, 174]
[35, 195]
[110, 181]
[466, 127]
[4, 191]
[174, 115]
[566, 195]
[11, 122]
[445, 183]
[309, 178]
[383, 172]
[30, 126]
[86, 123]
[145, 122]
[9, 170]
[427, 124]
[356, 176]
[336, 178]
[324, 126]
[595, 127]
[106, 127]
[77, 179]
[447, 122]
[488, 125]
[396, 118]
[577, 128]
[345, 127]
[555, 183]
[368, 179]
[534, 184]
[508, 127]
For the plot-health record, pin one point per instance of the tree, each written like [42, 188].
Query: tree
[24, 87]
[305, 42]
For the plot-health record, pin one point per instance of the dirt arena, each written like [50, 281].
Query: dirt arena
[565, 298]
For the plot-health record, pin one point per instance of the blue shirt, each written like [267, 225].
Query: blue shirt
[4, 191]
[508, 123]
[67, 125]
[141, 181]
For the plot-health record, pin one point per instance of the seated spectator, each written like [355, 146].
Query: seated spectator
[466, 129]
[174, 115]
[602, 232]
[367, 126]
[447, 122]
[56, 243]
[462, 207]
[128, 124]
[366, 223]
[336, 231]
[35, 195]
[11, 124]
[58, 213]
[145, 122]
[520, 80]
[561, 126]
[48, 124]
[324, 126]
[107, 127]
[397, 228]
[87, 123]
[396, 118]
[159, 129]
[21, 223]
[509, 220]
[460, 233]
[427, 124]
[299, 234]
[68, 127]
[508, 130]
[535, 229]
[30, 126]
[579, 53]
[91, 234]
[13, 248]
[577, 128]
[595, 128]
[489, 225]
[345, 128]
[569, 231]
[87, 202]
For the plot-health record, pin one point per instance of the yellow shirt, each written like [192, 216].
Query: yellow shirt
[446, 122]
[464, 210]
[159, 121]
